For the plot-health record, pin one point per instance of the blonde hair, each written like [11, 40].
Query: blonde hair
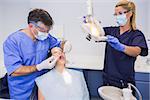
[129, 6]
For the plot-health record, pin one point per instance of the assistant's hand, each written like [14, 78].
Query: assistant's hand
[49, 63]
[114, 42]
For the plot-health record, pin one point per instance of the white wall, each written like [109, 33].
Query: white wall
[142, 15]
[1, 60]
[67, 13]
[13, 15]
[0, 18]
[149, 19]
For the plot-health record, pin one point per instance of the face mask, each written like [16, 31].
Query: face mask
[41, 36]
[121, 19]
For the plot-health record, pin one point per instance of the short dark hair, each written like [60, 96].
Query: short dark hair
[40, 15]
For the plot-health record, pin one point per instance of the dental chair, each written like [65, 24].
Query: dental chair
[115, 93]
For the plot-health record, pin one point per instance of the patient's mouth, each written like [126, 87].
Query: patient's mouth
[61, 57]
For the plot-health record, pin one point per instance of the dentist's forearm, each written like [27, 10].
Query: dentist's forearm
[133, 51]
[24, 70]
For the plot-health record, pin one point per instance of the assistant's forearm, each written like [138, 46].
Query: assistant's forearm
[24, 70]
[133, 51]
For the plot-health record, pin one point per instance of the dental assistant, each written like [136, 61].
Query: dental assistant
[26, 52]
[124, 44]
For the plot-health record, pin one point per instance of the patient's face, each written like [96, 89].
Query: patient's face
[57, 52]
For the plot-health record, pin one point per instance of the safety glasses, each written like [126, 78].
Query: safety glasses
[39, 27]
[120, 13]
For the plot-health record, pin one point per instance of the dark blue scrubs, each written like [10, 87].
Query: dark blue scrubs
[118, 66]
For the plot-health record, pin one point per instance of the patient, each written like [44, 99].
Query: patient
[62, 83]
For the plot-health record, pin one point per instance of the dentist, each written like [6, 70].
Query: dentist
[26, 52]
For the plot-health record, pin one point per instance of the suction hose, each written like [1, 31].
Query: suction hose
[138, 92]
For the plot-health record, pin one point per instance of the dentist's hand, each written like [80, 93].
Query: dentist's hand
[114, 42]
[49, 63]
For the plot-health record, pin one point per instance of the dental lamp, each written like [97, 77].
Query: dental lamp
[92, 26]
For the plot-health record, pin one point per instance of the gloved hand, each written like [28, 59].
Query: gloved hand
[49, 63]
[114, 42]
[67, 47]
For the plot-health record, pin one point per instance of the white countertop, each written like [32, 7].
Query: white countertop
[140, 65]
[144, 69]
[2, 69]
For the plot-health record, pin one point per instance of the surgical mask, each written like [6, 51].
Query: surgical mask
[121, 19]
[41, 35]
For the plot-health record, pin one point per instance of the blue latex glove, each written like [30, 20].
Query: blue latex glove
[114, 42]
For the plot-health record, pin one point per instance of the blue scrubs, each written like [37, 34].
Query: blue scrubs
[119, 67]
[19, 49]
